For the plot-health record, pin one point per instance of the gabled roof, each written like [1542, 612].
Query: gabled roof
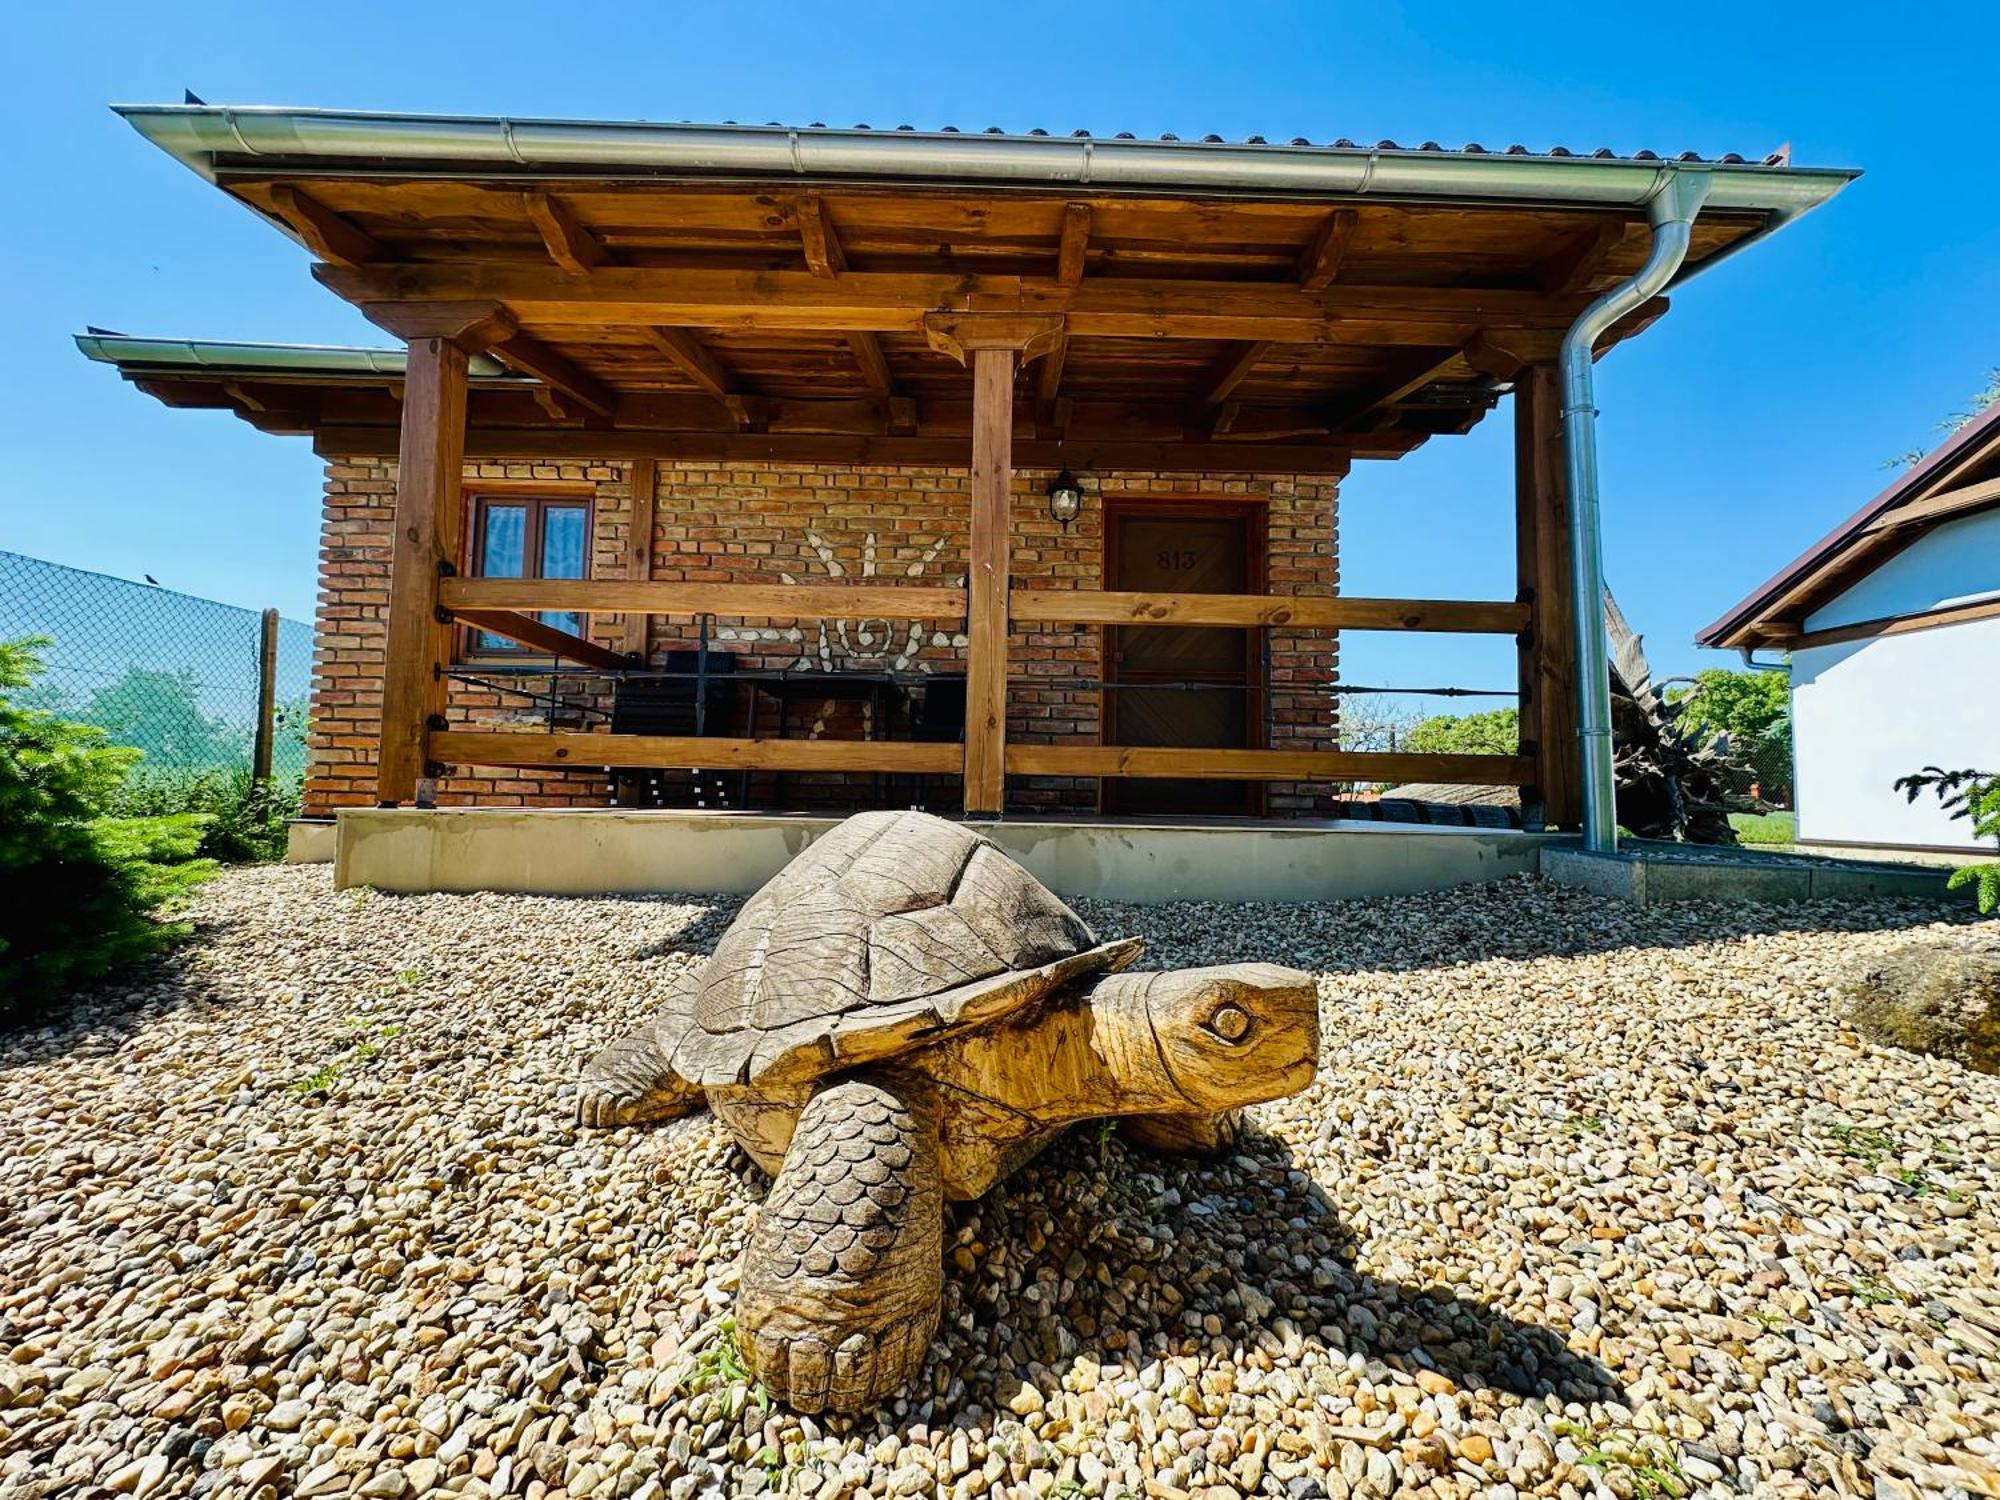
[1960, 477]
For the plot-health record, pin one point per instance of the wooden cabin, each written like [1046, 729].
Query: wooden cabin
[775, 467]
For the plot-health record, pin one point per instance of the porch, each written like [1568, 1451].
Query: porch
[988, 348]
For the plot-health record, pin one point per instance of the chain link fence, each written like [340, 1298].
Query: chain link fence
[182, 678]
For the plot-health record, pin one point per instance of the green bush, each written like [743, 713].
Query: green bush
[80, 887]
[245, 820]
[1494, 733]
[1974, 796]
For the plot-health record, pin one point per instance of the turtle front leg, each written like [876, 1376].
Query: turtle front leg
[632, 1081]
[843, 1274]
[1193, 1135]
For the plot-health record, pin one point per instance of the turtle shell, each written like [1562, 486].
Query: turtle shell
[893, 931]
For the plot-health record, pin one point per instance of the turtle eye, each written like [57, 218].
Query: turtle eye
[1230, 1023]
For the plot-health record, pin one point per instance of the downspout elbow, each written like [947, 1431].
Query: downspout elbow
[1671, 211]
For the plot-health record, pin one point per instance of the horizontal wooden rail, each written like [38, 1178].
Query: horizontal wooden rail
[1094, 607]
[775, 601]
[465, 747]
[1269, 765]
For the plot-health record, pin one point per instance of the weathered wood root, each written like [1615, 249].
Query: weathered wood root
[843, 1273]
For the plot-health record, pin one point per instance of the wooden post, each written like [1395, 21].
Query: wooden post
[429, 523]
[1548, 645]
[986, 580]
[639, 549]
[267, 697]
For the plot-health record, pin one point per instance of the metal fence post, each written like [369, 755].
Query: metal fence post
[267, 697]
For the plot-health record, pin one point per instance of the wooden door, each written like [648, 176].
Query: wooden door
[1208, 676]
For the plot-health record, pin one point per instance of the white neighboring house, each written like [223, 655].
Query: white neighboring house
[1893, 625]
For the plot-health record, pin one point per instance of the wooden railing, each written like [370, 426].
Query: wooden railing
[500, 604]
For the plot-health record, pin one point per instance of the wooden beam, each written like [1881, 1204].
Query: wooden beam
[594, 752]
[1048, 388]
[569, 244]
[1229, 370]
[824, 257]
[692, 358]
[1409, 371]
[1074, 244]
[1072, 452]
[1547, 659]
[874, 367]
[775, 601]
[1302, 611]
[474, 326]
[327, 234]
[1027, 335]
[898, 302]
[538, 636]
[645, 484]
[1864, 630]
[1321, 261]
[1486, 355]
[1937, 506]
[1578, 263]
[986, 579]
[1268, 765]
[557, 370]
[427, 540]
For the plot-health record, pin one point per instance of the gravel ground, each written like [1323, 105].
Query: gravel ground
[1585, 1200]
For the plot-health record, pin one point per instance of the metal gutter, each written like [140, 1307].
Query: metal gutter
[207, 138]
[330, 360]
[1672, 215]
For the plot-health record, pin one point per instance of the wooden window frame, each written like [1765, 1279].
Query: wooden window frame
[537, 496]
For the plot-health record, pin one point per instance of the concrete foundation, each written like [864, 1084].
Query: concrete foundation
[1647, 876]
[310, 841]
[556, 852]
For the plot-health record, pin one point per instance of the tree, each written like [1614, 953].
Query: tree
[78, 888]
[1955, 421]
[1497, 732]
[160, 713]
[1754, 709]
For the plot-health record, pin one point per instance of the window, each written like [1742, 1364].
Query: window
[529, 536]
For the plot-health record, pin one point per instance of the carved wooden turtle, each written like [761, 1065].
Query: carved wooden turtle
[904, 1015]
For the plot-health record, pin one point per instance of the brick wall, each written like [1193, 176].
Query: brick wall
[747, 524]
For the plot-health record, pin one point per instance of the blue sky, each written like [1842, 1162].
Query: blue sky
[1755, 416]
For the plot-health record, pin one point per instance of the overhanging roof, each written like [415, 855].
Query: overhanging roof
[1237, 304]
[1960, 477]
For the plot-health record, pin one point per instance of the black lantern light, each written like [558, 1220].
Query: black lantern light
[1065, 498]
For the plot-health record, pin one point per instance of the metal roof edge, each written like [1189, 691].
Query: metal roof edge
[1912, 479]
[200, 135]
[223, 355]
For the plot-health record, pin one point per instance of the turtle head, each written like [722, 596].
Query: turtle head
[1212, 1039]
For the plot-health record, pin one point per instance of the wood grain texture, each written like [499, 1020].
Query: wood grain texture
[1268, 765]
[428, 537]
[1547, 672]
[645, 486]
[528, 631]
[987, 580]
[778, 601]
[1113, 607]
[593, 752]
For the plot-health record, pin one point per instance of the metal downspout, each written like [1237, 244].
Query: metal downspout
[1671, 212]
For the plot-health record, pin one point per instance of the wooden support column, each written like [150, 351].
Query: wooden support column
[986, 580]
[429, 526]
[639, 548]
[995, 345]
[1548, 644]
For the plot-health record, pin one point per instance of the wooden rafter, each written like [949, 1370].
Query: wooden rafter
[1577, 264]
[538, 636]
[824, 257]
[1321, 261]
[1410, 371]
[533, 357]
[694, 359]
[330, 236]
[570, 245]
[874, 365]
[1075, 243]
[1228, 372]
[1939, 505]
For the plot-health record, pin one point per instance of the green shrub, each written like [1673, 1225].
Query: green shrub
[1754, 709]
[1974, 796]
[79, 886]
[246, 821]
[1494, 733]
